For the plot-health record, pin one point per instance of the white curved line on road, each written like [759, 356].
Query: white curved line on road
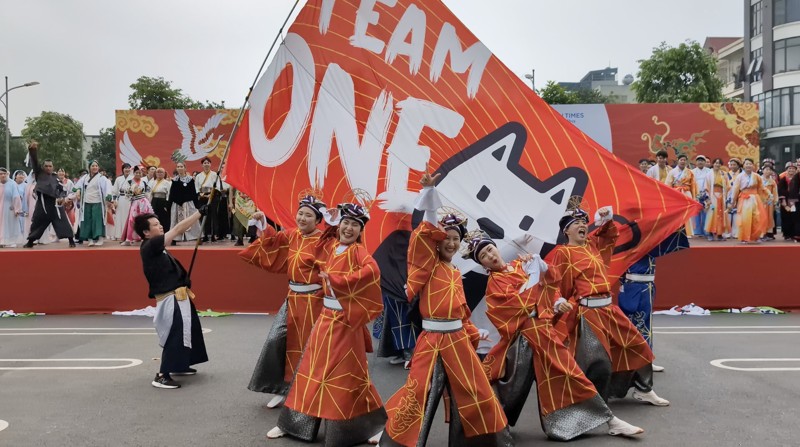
[150, 332]
[721, 363]
[3, 425]
[724, 332]
[129, 363]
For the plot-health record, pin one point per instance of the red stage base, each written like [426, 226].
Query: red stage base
[87, 281]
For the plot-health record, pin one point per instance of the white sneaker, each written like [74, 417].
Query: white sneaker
[377, 437]
[125, 243]
[276, 401]
[618, 427]
[99, 243]
[397, 360]
[90, 244]
[658, 369]
[276, 433]
[651, 398]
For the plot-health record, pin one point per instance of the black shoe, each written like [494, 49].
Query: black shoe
[205, 239]
[188, 372]
[165, 382]
[72, 245]
[174, 243]
[28, 244]
[239, 243]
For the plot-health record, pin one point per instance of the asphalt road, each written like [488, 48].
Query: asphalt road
[711, 406]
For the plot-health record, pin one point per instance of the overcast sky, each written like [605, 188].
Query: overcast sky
[86, 53]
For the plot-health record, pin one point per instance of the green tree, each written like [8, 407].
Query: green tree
[16, 149]
[158, 93]
[104, 150]
[60, 139]
[685, 73]
[553, 93]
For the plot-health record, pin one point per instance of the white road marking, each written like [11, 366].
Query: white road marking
[726, 327]
[3, 425]
[99, 331]
[720, 363]
[129, 363]
[725, 332]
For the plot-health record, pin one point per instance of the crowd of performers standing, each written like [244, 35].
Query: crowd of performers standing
[92, 209]
[557, 323]
[741, 200]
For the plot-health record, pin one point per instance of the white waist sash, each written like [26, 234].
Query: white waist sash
[332, 303]
[595, 302]
[640, 278]
[303, 288]
[441, 325]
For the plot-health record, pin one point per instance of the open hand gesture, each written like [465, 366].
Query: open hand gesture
[33, 145]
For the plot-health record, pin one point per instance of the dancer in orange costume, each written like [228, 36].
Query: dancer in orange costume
[569, 405]
[444, 358]
[716, 215]
[682, 179]
[332, 382]
[294, 252]
[609, 349]
[747, 193]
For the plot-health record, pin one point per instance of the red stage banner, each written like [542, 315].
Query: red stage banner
[369, 94]
[636, 131]
[161, 138]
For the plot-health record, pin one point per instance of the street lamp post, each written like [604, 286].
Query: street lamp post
[5, 103]
[532, 78]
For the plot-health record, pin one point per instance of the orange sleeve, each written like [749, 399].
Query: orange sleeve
[359, 292]
[422, 257]
[605, 238]
[270, 252]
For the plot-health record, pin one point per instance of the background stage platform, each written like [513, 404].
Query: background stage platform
[60, 280]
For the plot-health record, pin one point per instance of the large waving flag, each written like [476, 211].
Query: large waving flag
[368, 94]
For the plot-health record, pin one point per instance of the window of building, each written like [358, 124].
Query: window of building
[787, 55]
[756, 19]
[785, 11]
[756, 61]
[778, 108]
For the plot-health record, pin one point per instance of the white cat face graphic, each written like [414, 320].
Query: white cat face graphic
[486, 182]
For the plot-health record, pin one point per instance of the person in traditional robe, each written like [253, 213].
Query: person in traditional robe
[138, 191]
[177, 325]
[734, 169]
[716, 212]
[21, 184]
[444, 357]
[637, 291]
[659, 171]
[94, 192]
[789, 196]
[682, 179]
[332, 382]
[702, 176]
[747, 199]
[607, 346]
[122, 201]
[183, 197]
[49, 192]
[771, 185]
[569, 405]
[10, 210]
[159, 196]
[242, 208]
[294, 252]
[206, 182]
[68, 203]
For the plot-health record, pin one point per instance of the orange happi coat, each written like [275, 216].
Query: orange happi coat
[295, 254]
[332, 380]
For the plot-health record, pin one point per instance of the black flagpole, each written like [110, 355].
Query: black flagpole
[235, 128]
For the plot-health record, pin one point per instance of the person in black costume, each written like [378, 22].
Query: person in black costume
[50, 193]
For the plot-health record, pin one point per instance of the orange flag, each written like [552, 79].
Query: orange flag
[368, 94]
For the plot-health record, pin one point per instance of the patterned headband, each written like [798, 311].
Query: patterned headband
[477, 241]
[312, 203]
[355, 212]
[572, 216]
[452, 221]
